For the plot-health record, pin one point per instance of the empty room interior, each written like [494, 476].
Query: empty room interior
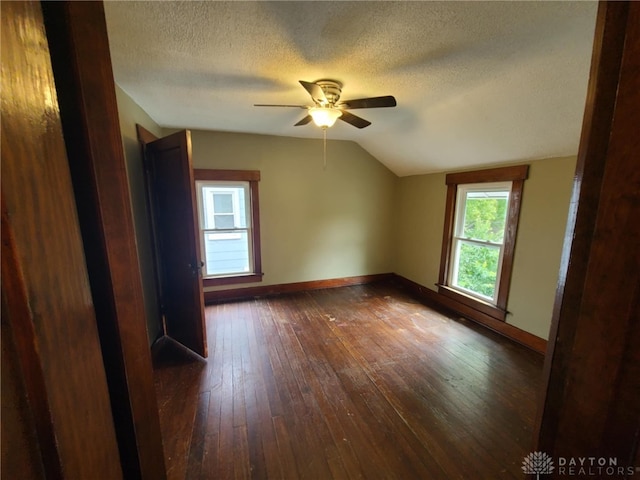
[360, 240]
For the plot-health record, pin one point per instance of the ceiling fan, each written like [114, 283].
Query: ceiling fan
[327, 107]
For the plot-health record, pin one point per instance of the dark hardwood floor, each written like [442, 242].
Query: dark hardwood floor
[353, 382]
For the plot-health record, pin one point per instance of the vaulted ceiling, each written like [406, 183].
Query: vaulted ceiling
[477, 83]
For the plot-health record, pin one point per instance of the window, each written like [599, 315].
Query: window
[224, 227]
[478, 239]
[229, 225]
[481, 220]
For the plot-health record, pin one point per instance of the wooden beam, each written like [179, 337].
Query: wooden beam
[591, 393]
[46, 296]
[86, 91]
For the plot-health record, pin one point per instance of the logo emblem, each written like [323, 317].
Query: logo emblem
[537, 463]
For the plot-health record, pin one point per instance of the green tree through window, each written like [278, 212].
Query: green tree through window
[485, 217]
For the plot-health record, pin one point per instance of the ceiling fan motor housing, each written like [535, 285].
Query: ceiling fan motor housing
[331, 88]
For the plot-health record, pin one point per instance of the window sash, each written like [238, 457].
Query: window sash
[461, 201]
[208, 213]
[454, 275]
[229, 235]
[225, 233]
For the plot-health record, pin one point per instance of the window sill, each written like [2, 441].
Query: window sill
[231, 280]
[484, 307]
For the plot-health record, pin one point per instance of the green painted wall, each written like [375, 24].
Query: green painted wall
[316, 223]
[131, 114]
[545, 204]
[419, 219]
[536, 265]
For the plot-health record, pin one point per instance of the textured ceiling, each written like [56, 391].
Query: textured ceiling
[476, 83]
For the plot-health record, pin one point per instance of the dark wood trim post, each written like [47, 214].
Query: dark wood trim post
[86, 90]
[591, 397]
[50, 340]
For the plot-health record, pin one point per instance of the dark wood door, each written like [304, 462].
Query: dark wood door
[174, 217]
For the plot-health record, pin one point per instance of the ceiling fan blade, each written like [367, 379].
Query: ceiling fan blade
[354, 120]
[269, 105]
[315, 91]
[304, 121]
[373, 102]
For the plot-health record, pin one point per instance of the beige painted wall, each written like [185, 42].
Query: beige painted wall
[130, 114]
[545, 205]
[316, 223]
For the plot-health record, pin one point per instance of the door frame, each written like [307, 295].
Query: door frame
[79, 45]
[589, 400]
[144, 137]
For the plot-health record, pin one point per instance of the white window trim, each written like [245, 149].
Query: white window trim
[223, 186]
[222, 236]
[457, 240]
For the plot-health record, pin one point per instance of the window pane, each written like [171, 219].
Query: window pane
[223, 203]
[224, 199]
[477, 268]
[485, 215]
[226, 253]
[223, 221]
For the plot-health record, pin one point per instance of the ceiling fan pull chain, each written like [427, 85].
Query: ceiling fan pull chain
[324, 134]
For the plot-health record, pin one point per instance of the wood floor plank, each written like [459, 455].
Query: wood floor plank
[241, 463]
[337, 410]
[309, 425]
[223, 373]
[178, 374]
[402, 398]
[371, 404]
[352, 382]
[258, 415]
[198, 436]
[434, 385]
[343, 379]
[285, 449]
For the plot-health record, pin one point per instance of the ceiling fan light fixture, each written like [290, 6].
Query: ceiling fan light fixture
[324, 117]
